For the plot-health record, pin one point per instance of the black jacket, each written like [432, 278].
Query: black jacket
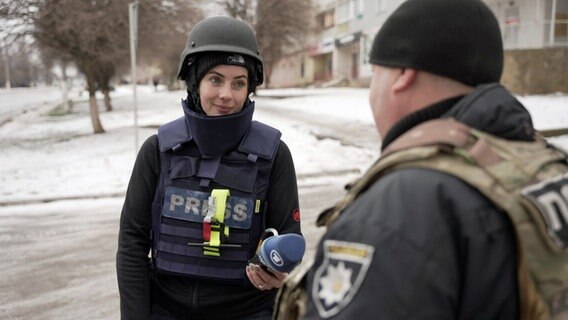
[183, 297]
[441, 249]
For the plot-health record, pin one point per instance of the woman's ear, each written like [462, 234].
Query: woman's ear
[405, 79]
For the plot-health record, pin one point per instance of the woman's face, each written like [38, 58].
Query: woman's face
[223, 90]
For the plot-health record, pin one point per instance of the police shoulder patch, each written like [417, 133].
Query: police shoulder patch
[340, 275]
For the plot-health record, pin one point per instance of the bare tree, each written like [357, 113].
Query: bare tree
[14, 26]
[7, 76]
[79, 29]
[94, 35]
[163, 30]
[241, 9]
[280, 25]
[103, 76]
[51, 59]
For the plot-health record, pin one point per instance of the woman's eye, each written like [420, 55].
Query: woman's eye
[239, 84]
[215, 80]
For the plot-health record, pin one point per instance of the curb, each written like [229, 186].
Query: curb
[53, 199]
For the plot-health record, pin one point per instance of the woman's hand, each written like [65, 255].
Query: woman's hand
[264, 280]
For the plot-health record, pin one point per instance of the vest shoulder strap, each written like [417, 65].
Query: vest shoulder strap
[261, 140]
[173, 134]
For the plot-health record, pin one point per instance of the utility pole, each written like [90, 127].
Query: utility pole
[133, 22]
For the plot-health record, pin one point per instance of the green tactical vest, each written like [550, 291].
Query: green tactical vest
[527, 180]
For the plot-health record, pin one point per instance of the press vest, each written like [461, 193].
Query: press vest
[527, 180]
[208, 212]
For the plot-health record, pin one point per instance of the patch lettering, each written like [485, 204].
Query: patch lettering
[192, 205]
[551, 199]
[340, 275]
[236, 59]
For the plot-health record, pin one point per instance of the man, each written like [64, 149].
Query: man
[419, 236]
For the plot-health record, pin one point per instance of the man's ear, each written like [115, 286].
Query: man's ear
[405, 79]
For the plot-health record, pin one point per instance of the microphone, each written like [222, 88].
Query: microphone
[280, 253]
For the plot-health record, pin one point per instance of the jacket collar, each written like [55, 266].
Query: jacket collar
[489, 108]
[215, 136]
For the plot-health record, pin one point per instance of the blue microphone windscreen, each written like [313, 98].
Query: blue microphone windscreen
[282, 253]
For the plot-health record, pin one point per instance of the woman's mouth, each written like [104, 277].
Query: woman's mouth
[223, 109]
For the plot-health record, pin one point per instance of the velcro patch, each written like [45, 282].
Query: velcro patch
[340, 275]
[192, 205]
[550, 197]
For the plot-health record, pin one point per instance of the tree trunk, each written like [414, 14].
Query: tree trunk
[108, 105]
[66, 104]
[267, 75]
[7, 67]
[93, 106]
[94, 110]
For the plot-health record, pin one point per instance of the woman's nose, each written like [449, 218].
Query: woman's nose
[225, 92]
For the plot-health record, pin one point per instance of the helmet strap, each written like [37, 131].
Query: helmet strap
[193, 101]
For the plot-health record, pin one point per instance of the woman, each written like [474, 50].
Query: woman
[203, 191]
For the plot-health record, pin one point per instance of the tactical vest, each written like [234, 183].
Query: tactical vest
[208, 213]
[527, 180]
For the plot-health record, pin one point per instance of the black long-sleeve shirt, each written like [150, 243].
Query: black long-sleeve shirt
[183, 296]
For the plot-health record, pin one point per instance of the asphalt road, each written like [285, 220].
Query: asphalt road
[58, 260]
[59, 257]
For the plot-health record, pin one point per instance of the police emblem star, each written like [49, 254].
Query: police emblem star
[340, 275]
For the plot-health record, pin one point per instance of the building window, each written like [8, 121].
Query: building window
[358, 8]
[326, 19]
[561, 23]
[556, 22]
[344, 12]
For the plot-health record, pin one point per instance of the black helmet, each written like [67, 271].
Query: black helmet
[221, 34]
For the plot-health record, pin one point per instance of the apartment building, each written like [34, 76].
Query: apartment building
[337, 53]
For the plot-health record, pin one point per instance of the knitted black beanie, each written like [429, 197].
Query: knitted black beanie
[210, 60]
[458, 39]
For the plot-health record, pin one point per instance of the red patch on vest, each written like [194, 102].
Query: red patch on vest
[296, 215]
[206, 231]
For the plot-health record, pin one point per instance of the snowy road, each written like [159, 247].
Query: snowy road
[60, 254]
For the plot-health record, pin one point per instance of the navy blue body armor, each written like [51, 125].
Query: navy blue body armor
[187, 178]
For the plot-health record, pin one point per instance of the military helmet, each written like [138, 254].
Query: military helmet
[221, 34]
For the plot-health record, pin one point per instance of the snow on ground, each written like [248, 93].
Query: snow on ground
[47, 157]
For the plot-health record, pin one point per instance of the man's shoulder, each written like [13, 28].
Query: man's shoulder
[420, 195]
[412, 181]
